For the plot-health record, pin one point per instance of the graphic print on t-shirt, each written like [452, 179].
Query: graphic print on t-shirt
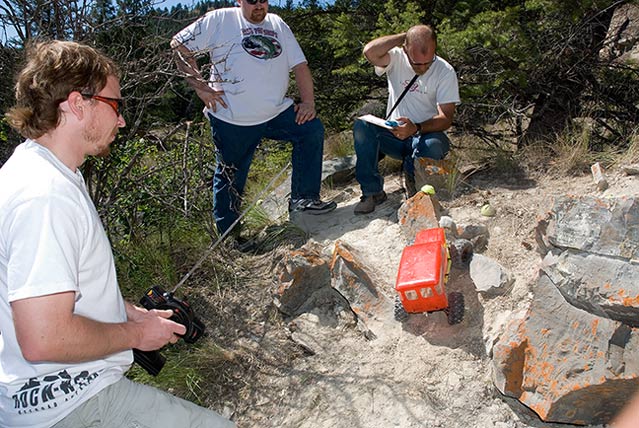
[261, 43]
[415, 87]
[42, 394]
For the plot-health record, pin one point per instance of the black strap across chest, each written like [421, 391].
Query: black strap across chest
[402, 96]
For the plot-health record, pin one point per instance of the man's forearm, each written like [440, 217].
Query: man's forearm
[186, 63]
[435, 124]
[47, 329]
[304, 81]
[376, 51]
[440, 122]
[66, 337]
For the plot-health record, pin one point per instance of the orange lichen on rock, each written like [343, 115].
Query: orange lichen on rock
[631, 301]
[575, 325]
[340, 251]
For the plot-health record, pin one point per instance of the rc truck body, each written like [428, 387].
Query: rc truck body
[421, 279]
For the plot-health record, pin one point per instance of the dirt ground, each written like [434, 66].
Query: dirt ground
[419, 373]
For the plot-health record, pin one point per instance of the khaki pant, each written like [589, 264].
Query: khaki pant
[127, 404]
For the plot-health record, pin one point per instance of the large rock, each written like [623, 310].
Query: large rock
[565, 364]
[622, 40]
[350, 279]
[603, 286]
[607, 227]
[306, 283]
[299, 275]
[419, 212]
[574, 357]
[593, 255]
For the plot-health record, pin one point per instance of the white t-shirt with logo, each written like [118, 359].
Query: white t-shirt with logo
[52, 241]
[437, 86]
[250, 62]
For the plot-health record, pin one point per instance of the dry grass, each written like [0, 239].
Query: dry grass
[631, 155]
[571, 152]
[246, 339]
[339, 145]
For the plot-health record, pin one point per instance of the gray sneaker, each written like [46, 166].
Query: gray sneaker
[367, 204]
[311, 206]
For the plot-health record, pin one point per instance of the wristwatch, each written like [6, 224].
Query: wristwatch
[419, 130]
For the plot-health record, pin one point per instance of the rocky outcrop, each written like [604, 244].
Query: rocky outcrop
[305, 281]
[573, 357]
[606, 227]
[622, 40]
[591, 282]
[351, 280]
[299, 275]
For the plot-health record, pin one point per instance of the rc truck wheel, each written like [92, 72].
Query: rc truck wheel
[455, 309]
[461, 252]
[399, 311]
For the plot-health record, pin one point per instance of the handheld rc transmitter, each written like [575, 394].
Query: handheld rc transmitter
[157, 298]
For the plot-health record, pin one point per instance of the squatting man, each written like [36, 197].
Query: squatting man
[431, 92]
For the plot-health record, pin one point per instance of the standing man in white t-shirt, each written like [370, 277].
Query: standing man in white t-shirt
[66, 334]
[252, 53]
[422, 115]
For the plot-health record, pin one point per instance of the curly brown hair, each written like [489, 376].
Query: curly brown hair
[54, 69]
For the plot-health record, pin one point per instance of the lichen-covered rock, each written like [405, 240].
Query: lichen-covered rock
[606, 227]
[574, 357]
[565, 364]
[350, 279]
[600, 285]
[419, 212]
[300, 274]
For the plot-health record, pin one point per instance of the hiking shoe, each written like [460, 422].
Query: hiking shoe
[311, 206]
[367, 204]
[409, 184]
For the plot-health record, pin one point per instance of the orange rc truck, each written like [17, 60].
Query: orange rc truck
[422, 276]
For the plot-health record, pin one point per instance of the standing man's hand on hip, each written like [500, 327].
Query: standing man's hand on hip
[211, 98]
[305, 112]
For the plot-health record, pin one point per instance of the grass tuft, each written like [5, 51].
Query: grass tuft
[339, 145]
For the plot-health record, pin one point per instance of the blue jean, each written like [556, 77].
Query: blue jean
[236, 146]
[371, 139]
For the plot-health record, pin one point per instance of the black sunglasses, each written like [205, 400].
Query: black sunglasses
[253, 2]
[117, 104]
[417, 63]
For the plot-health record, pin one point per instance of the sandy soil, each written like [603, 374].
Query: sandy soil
[423, 372]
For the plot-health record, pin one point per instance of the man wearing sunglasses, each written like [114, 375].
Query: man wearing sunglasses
[66, 334]
[423, 92]
[252, 53]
